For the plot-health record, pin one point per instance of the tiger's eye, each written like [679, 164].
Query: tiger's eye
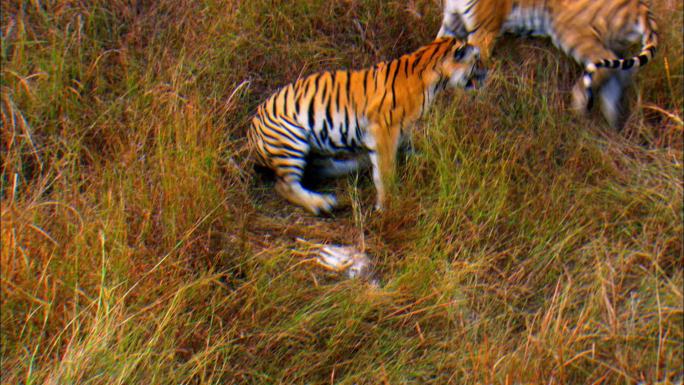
[460, 52]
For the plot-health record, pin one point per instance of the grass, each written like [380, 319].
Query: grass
[522, 244]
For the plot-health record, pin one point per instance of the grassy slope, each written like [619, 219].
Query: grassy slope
[523, 244]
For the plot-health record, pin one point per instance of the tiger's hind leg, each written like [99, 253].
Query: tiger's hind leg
[287, 156]
[613, 104]
[582, 94]
[580, 43]
[315, 203]
[609, 85]
[289, 171]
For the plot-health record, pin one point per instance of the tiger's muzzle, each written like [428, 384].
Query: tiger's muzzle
[477, 77]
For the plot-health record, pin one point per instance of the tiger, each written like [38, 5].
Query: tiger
[594, 33]
[333, 120]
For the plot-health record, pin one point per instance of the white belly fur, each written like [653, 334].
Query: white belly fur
[532, 21]
[521, 20]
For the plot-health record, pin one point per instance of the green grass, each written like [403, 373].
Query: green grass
[522, 244]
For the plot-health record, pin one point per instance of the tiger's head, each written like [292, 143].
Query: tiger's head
[462, 66]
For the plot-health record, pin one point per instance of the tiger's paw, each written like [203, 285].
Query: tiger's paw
[379, 206]
[321, 203]
[580, 99]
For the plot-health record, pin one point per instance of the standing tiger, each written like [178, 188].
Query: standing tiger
[353, 112]
[594, 32]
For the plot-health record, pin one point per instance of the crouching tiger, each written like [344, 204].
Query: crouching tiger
[595, 33]
[353, 112]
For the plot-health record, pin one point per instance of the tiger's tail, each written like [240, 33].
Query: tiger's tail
[649, 43]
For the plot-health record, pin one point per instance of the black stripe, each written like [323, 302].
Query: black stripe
[349, 74]
[357, 131]
[394, 80]
[627, 64]
[271, 103]
[296, 169]
[365, 93]
[382, 100]
[274, 142]
[322, 90]
[312, 83]
[344, 129]
[388, 70]
[469, 6]
[318, 142]
[285, 131]
[268, 136]
[328, 115]
[323, 133]
[339, 94]
[590, 98]
[287, 157]
[290, 150]
[294, 125]
[376, 69]
[312, 122]
[643, 59]
[310, 102]
[288, 91]
[416, 61]
[297, 102]
[431, 57]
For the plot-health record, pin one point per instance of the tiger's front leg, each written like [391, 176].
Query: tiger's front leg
[484, 39]
[452, 23]
[383, 144]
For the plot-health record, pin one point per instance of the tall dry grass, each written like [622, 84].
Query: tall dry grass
[522, 245]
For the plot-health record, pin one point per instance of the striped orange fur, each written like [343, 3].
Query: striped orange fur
[594, 32]
[353, 112]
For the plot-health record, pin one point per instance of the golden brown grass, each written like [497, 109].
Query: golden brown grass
[522, 245]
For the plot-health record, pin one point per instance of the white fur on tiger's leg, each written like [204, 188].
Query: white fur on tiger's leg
[383, 155]
[452, 24]
[311, 201]
[580, 99]
[377, 180]
[585, 90]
